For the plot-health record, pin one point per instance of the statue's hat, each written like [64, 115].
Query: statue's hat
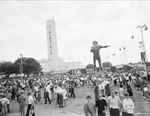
[95, 42]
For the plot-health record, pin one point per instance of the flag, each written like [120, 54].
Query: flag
[146, 28]
[141, 43]
[132, 36]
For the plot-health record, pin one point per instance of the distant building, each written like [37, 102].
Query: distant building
[54, 63]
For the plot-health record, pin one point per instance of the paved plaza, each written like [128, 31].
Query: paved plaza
[75, 105]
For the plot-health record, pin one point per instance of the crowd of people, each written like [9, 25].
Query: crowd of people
[60, 87]
[39, 90]
[120, 100]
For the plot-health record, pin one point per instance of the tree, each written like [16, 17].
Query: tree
[7, 67]
[90, 66]
[106, 64]
[30, 65]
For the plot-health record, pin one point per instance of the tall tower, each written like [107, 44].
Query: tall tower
[52, 44]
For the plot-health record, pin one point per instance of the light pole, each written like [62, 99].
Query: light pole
[21, 67]
[125, 55]
[114, 59]
[144, 50]
[121, 55]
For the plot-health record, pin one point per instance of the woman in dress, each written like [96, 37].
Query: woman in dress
[22, 103]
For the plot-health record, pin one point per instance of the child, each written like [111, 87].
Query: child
[89, 107]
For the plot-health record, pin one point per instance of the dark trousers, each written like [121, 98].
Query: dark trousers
[57, 98]
[127, 114]
[101, 114]
[72, 94]
[13, 96]
[130, 114]
[114, 112]
[124, 114]
[47, 97]
[8, 109]
[99, 62]
[60, 101]
[28, 109]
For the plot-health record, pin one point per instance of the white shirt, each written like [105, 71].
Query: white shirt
[128, 105]
[5, 100]
[60, 91]
[101, 86]
[64, 92]
[30, 99]
[120, 78]
[36, 88]
[145, 89]
[121, 92]
[55, 90]
[114, 102]
[48, 88]
[127, 78]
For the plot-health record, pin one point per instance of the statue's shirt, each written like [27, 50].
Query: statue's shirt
[95, 50]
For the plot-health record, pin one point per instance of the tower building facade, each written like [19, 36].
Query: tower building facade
[54, 63]
[52, 44]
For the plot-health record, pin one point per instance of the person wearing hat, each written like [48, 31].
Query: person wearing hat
[128, 105]
[89, 108]
[96, 56]
[47, 93]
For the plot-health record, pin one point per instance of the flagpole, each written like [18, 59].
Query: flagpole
[146, 60]
[121, 56]
[142, 37]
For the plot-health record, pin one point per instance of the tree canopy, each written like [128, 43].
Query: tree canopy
[7, 68]
[106, 64]
[90, 66]
[30, 66]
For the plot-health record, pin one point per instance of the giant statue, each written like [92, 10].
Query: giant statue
[96, 54]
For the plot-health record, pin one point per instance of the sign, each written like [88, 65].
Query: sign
[50, 38]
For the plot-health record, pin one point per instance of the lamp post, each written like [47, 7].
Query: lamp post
[21, 67]
[114, 58]
[121, 55]
[144, 49]
[125, 55]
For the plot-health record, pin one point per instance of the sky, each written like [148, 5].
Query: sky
[78, 24]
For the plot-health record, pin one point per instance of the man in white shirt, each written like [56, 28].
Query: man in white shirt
[6, 101]
[58, 91]
[47, 93]
[35, 88]
[114, 103]
[128, 105]
[30, 103]
[64, 93]
[121, 92]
